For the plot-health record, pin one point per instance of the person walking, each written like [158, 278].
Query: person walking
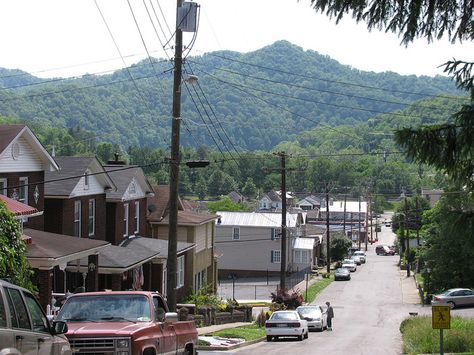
[330, 315]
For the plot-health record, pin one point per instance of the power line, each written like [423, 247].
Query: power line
[306, 76]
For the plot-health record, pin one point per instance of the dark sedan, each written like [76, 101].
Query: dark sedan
[342, 273]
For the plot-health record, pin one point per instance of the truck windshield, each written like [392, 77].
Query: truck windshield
[108, 308]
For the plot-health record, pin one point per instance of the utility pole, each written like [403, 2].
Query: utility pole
[407, 232]
[172, 261]
[283, 247]
[358, 217]
[328, 249]
[344, 219]
[369, 210]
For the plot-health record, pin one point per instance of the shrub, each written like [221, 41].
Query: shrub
[289, 300]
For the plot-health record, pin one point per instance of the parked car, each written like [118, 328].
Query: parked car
[357, 259]
[384, 250]
[316, 316]
[361, 255]
[286, 324]
[24, 328]
[455, 297]
[342, 273]
[349, 264]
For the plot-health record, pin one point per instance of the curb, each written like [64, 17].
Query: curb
[231, 347]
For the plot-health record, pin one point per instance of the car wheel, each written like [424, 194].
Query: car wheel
[451, 304]
[306, 335]
[300, 337]
[269, 338]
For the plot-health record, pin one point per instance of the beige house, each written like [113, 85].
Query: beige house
[249, 244]
[197, 268]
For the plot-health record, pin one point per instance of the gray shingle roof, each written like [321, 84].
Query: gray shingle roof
[156, 244]
[122, 176]
[72, 170]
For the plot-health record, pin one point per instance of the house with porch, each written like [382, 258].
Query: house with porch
[23, 165]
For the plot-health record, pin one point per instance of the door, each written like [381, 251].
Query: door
[44, 339]
[168, 344]
[25, 339]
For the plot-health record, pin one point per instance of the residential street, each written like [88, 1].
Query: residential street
[368, 311]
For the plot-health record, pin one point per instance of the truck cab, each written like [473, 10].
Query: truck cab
[125, 323]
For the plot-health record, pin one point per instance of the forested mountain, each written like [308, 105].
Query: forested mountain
[251, 101]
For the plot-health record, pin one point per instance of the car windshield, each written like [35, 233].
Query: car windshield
[284, 316]
[309, 311]
[341, 270]
[348, 261]
[112, 308]
[359, 253]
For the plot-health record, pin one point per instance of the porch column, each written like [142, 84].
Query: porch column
[92, 281]
[45, 287]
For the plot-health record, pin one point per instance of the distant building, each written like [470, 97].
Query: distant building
[432, 196]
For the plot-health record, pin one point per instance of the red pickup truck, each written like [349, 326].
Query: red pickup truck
[125, 323]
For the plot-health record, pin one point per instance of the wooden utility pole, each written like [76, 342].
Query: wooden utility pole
[358, 236]
[369, 210]
[172, 261]
[344, 218]
[328, 247]
[284, 239]
[407, 233]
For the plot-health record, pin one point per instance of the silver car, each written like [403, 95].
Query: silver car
[315, 315]
[455, 297]
[349, 264]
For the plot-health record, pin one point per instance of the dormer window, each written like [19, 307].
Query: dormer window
[86, 180]
[133, 188]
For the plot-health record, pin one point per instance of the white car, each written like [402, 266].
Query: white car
[286, 324]
[349, 264]
[361, 255]
[315, 315]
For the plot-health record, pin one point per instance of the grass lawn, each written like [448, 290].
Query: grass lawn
[419, 337]
[316, 288]
[247, 332]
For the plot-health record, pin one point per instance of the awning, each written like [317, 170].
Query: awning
[20, 209]
[47, 250]
[303, 243]
[159, 245]
[116, 259]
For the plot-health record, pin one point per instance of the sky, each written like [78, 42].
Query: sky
[64, 38]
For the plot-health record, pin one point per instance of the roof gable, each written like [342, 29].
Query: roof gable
[124, 176]
[20, 146]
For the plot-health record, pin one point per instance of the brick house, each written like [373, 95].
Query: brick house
[23, 164]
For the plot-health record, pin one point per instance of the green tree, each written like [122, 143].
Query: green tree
[249, 190]
[340, 245]
[449, 246]
[13, 263]
[224, 204]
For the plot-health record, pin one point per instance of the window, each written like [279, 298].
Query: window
[23, 193]
[180, 272]
[302, 256]
[18, 313]
[77, 218]
[91, 217]
[236, 233]
[3, 186]
[40, 323]
[125, 220]
[136, 220]
[276, 256]
[199, 280]
[276, 233]
[86, 180]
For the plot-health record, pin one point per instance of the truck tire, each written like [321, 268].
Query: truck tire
[149, 351]
[189, 350]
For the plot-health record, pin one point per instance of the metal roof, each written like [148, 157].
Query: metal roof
[255, 219]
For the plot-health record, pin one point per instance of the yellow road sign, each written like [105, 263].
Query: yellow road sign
[441, 317]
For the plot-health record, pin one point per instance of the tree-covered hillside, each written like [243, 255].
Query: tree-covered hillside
[245, 101]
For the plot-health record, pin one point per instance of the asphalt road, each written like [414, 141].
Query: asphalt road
[368, 311]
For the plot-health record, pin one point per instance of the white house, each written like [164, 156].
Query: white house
[249, 243]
